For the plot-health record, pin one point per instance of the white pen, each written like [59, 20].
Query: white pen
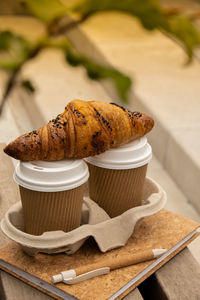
[104, 266]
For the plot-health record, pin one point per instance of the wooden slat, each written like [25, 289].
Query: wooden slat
[150, 288]
[15, 289]
[9, 193]
[25, 110]
[178, 279]
[2, 293]
[10, 287]
[134, 295]
[86, 46]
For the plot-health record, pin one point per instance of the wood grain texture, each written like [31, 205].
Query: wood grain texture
[133, 295]
[148, 276]
[86, 46]
[97, 288]
[100, 288]
[162, 230]
[2, 292]
[16, 289]
[178, 279]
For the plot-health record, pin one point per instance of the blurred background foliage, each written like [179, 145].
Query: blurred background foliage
[60, 16]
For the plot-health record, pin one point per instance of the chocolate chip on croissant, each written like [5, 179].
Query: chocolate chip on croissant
[83, 129]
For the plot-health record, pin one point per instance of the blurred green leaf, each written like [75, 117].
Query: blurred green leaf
[46, 10]
[184, 30]
[148, 11]
[28, 86]
[14, 50]
[97, 72]
[150, 14]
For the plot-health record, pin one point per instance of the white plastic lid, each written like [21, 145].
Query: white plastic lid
[55, 176]
[129, 156]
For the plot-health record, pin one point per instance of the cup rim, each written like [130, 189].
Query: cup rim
[60, 179]
[129, 156]
[42, 188]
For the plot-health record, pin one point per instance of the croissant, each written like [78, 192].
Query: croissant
[83, 129]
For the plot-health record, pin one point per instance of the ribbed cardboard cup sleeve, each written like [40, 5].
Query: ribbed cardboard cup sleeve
[48, 211]
[116, 190]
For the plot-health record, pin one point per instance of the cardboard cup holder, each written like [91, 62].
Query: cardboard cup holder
[94, 223]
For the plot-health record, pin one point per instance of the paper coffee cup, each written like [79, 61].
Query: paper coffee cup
[117, 176]
[51, 194]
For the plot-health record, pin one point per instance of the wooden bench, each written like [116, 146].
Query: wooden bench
[178, 279]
